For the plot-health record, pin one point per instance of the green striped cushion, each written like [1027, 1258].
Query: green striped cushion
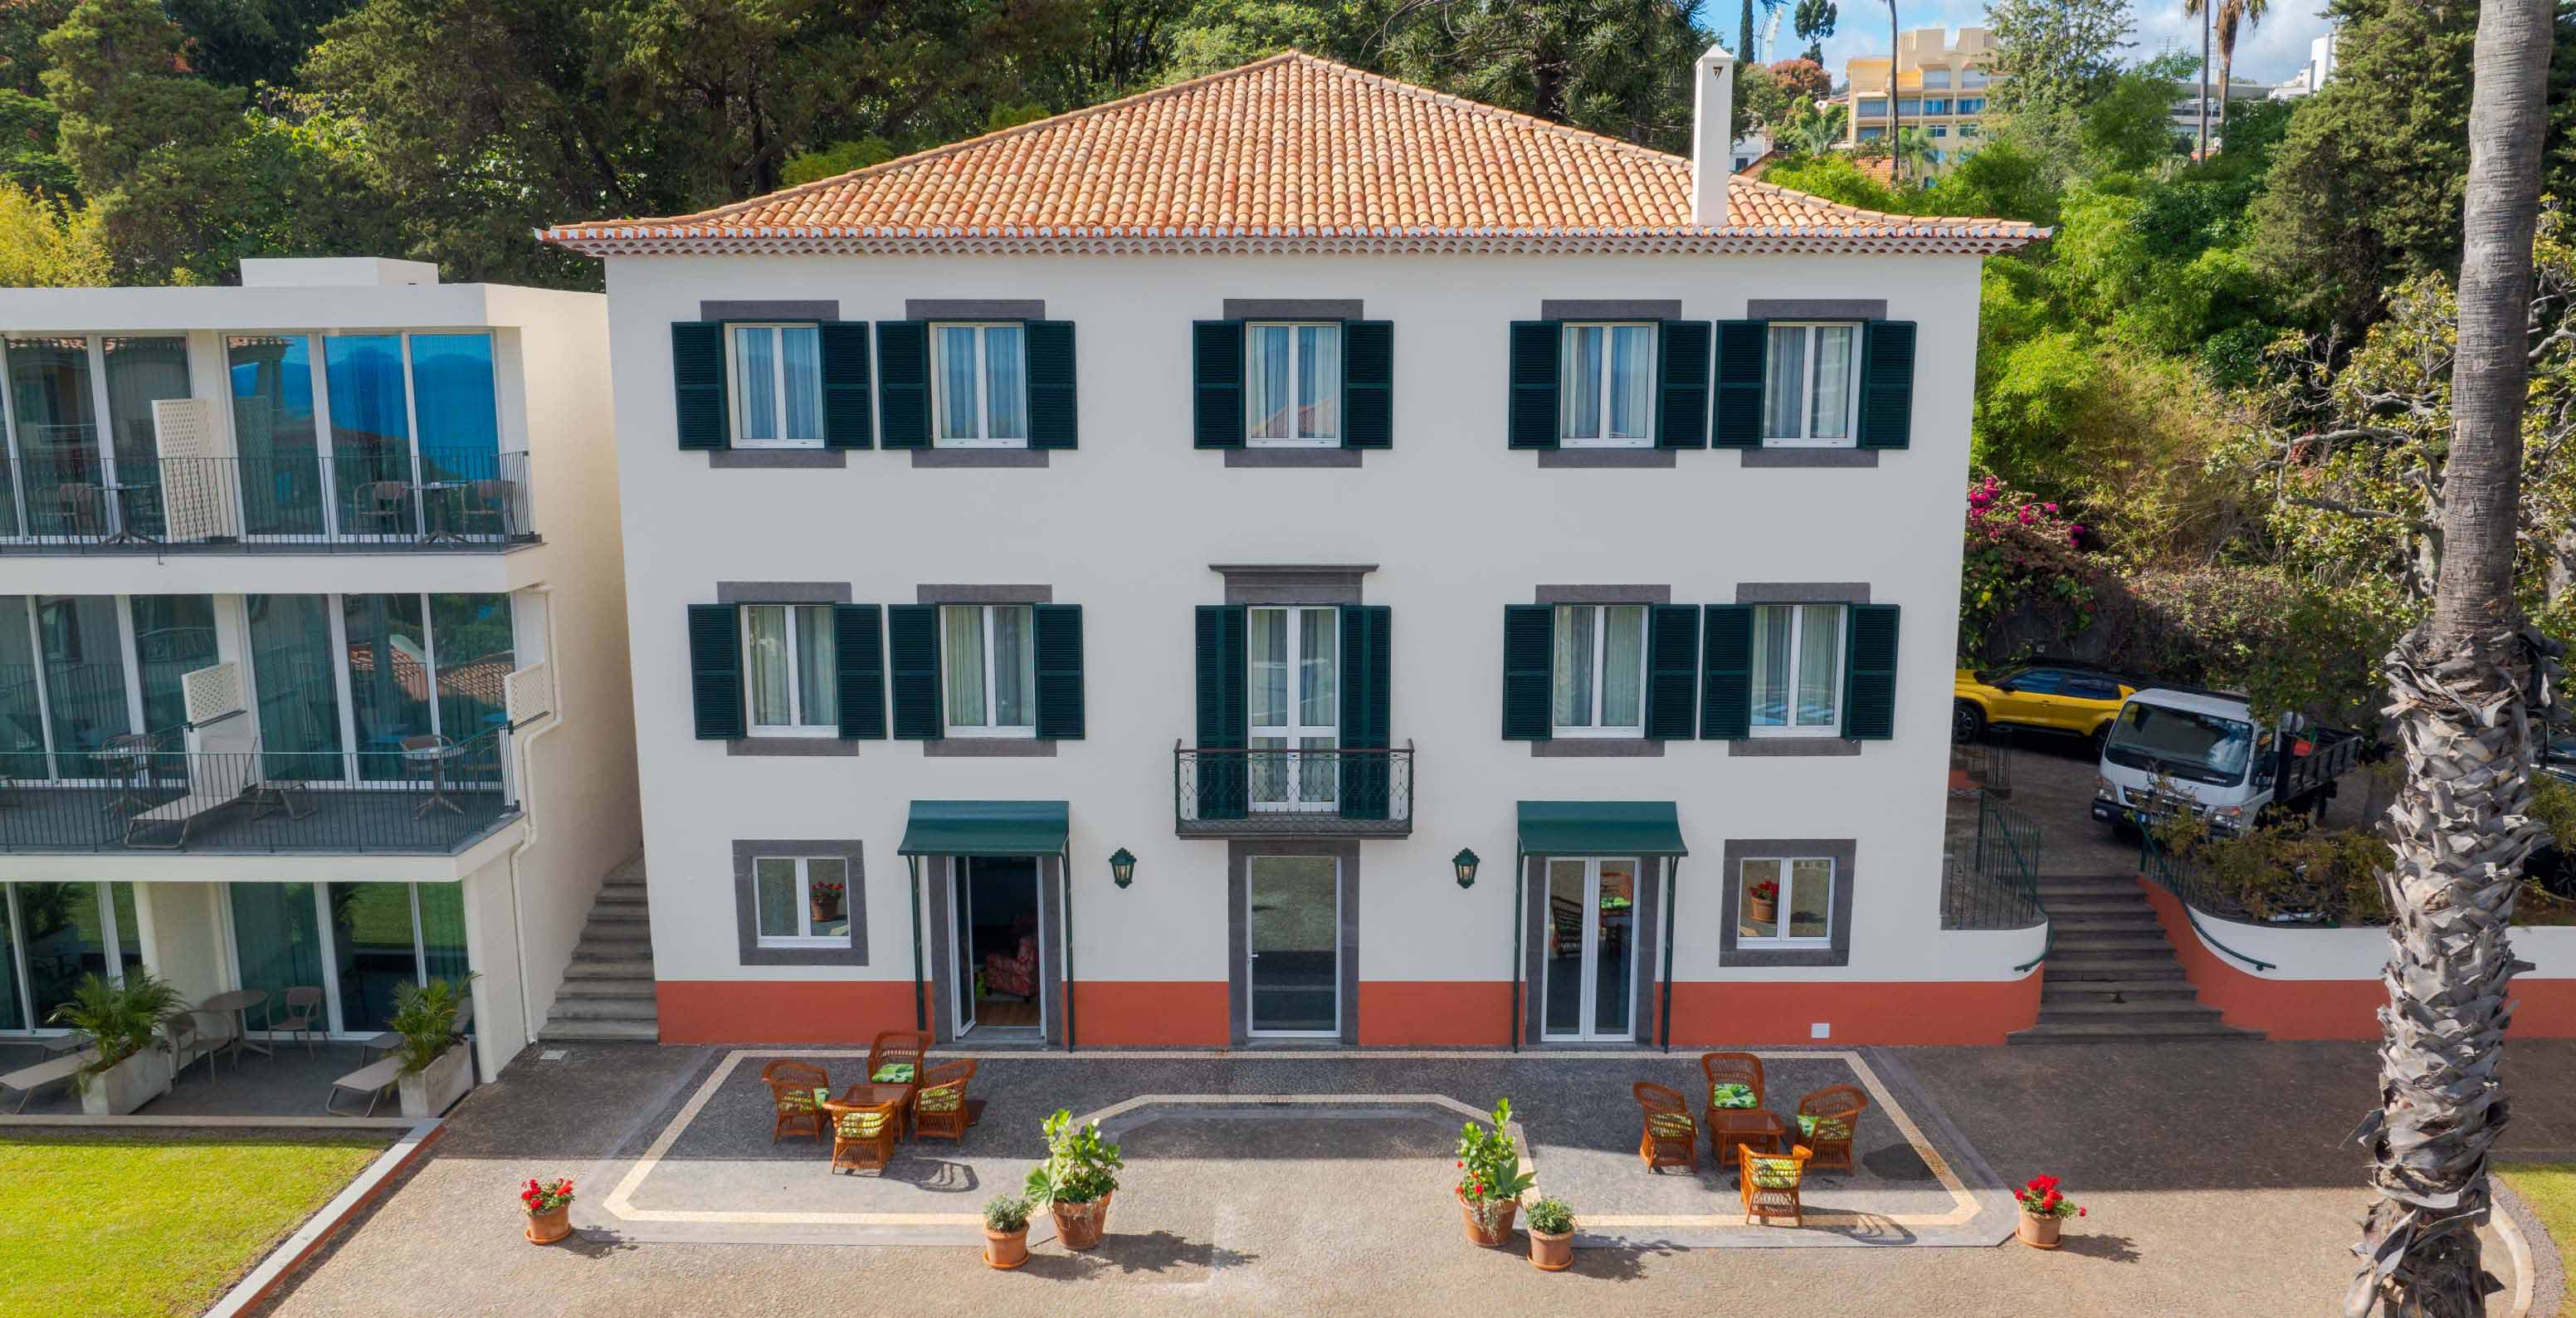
[1775, 1173]
[796, 1100]
[1732, 1095]
[860, 1125]
[1824, 1128]
[1676, 1125]
[946, 1098]
[893, 1073]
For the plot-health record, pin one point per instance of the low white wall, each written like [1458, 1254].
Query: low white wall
[2309, 952]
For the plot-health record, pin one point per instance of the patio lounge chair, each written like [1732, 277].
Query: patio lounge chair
[1768, 1184]
[793, 1101]
[1827, 1120]
[863, 1134]
[940, 1106]
[373, 1080]
[226, 771]
[1671, 1138]
[26, 1080]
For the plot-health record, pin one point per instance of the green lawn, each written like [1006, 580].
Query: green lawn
[133, 1226]
[2550, 1189]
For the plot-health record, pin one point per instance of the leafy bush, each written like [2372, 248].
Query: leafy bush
[1006, 1212]
[425, 1017]
[1551, 1215]
[2289, 872]
[1489, 1162]
[1080, 1168]
[118, 1017]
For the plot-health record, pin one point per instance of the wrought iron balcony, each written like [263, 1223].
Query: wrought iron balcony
[1219, 792]
[64, 499]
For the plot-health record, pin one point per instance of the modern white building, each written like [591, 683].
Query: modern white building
[1296, 554]
[312, 662]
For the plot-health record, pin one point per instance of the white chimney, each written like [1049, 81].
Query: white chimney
[1712, 145]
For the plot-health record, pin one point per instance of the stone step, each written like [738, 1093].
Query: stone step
[2160, 1011]
[617, 935]
[638, 986]
[621, 895]
[2055, 886]
[2080, 921]
[620, 915]
[2142, 1032]
[2118, 943]
[600, 1032]
[2054, 990]
[569, 1008]
[593, 966]
[2069, 903]
[2086, 966]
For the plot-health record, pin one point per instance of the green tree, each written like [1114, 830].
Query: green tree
[1814, 20]
[2233, 18]
[1620, 67]
[2128, 127]
[1216, 35]
[1811, 131]
[46, 244]
[1803, 78]
[2055, 55]
[1912, 147]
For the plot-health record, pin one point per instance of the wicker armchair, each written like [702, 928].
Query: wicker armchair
[1670, 1138]
[939, 1106]
[863, 1134]
[1827, 1120]
[792, 1087]
[896, 1058]
[1768, 1183]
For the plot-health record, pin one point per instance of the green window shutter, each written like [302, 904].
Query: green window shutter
[1535, 345]
[1672, 671]
[1366, 650]
[1224, 713]
[1887, 384]
[698, 376]
[858, 669]
[1216, 384]
[1681, 377]
[1726, 674]
[903, 382]
[1529, 650]
[1869, 673]
[1743, 349]
[1057, 632]
[1052, 414]
[715, 671]
[849, 414]
[912, 655]
[1368, 384]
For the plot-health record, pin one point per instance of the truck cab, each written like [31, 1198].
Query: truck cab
[2206, 752]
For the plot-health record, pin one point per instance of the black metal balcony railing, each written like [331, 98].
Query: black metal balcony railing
[349, 502]
[1218, 792]
[1991, 879]
[145, 794]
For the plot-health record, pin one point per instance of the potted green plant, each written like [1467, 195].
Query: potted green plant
[1077, 1179]
[2043, 1210]
[118, 1019]
[437, 1064]
[549, 1208]
[1006, 1231]
[1551, 1233]
[1490, 1179]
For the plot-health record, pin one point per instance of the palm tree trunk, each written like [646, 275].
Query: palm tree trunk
[2464, 694]
[1895, 117]
[2226, 72]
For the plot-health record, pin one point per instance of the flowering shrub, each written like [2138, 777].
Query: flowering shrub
[827, 893]
[1764, 890]
[2021, 550]
[546, 1196]
[1489, 1165]
[2039, 1198]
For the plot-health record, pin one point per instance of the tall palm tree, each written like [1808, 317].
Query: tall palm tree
[2464, 690]
[2234, 19]
[1812, 130]
[1895, 118]
[1913, 146]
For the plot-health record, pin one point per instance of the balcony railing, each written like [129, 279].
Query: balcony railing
[63, 500]
[149, 794]
[1292, 793]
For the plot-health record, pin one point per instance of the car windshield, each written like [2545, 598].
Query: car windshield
[2192, 746]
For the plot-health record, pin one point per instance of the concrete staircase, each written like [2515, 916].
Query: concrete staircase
[2111, 977]
[607, 992]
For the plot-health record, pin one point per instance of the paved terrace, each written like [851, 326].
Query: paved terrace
[2217, 1176]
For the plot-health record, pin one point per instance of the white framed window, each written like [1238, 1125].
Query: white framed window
[1293, 384]
[787, 662]
[1600, 670]
[1785, 901]
[979, 376]
[1811, 391]
[1797, 670]
[988, 662]
[804, 900]
[777, 385]
[1295, 687]
[1608, 391]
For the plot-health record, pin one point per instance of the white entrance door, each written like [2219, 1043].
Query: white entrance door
[1296, 707]
[1590, 954]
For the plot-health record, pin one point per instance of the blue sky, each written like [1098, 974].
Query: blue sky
[2271, 53]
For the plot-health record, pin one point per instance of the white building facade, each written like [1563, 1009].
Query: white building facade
[312, 666]
[1170, 574]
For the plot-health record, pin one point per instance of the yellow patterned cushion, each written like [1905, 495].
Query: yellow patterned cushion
[795, 1100]
[946, 1098]
[860, 1125]
[893, 1073]
[1672, 1125]
[1730, 1095]
[1775, 1173]
[1824, 1128]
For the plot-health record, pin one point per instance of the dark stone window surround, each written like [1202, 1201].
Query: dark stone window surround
[1292, 308]
[1645, 956]
[786, 592]
[1812, 309]
[1608, 309]
[1798, 592]
[935, 871]
[1738, 850]
[1238, 872]
[746, 902]
[1286, 583]
[982, 459]
[1599, 748]
[772, 459]
[985, 748]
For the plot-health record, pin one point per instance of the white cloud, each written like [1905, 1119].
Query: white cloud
[2271, 52]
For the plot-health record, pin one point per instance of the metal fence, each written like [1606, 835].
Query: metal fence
[2190, 884]
[1347, 793]
[356, 502]
[1987, 762]
[1991, 880]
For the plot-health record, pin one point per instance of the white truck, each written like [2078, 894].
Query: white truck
[2175, 749]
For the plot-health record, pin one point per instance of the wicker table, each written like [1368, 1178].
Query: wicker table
[1753, 1128]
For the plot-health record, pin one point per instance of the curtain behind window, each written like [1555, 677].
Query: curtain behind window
[140, 372]
[800, 351]
[1632, 381]
[22, 721]
[1623, 657]
[1573, 666]
[174, 635]
[299, 696]
[1006, 382]
[274, 430]
[1582, 375]
[459, 407]
[49, 395]
[957, 365]
[1787, 367]
[1771, 624]
[84, 679]
[370, 432]
[962, 664]
[277, 939]
[1267, 398]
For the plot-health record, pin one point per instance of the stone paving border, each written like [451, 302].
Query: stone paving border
[2539, 1270]
[1954, 1227]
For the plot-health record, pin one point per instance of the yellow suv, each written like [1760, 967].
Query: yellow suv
[2054, 697]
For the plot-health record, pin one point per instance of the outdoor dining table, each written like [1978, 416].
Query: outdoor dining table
[238, 1003]
[122, 497]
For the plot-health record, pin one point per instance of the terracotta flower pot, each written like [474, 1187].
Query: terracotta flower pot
[1079, 1226]
[1495, 1227]
[827, 910]
[1762, 910]
[1551, 1251]
[546, 1226]
[1006, 1249]
[2038, 1232]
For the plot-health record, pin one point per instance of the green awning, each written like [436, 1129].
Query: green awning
[985, 828]
[1601, 828]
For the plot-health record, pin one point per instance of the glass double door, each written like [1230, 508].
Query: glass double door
[1591, 949]
[1292, 938]
[998, 917]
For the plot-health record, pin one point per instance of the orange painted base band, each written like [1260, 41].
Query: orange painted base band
[1142, 1013]
[1398, 1013]
[1854, 1012]
[2329, 1008]
[782, 1011]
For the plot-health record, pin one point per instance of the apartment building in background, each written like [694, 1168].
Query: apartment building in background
[1941, 85]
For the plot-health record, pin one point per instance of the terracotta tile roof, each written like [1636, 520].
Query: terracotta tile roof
[1286, 153]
